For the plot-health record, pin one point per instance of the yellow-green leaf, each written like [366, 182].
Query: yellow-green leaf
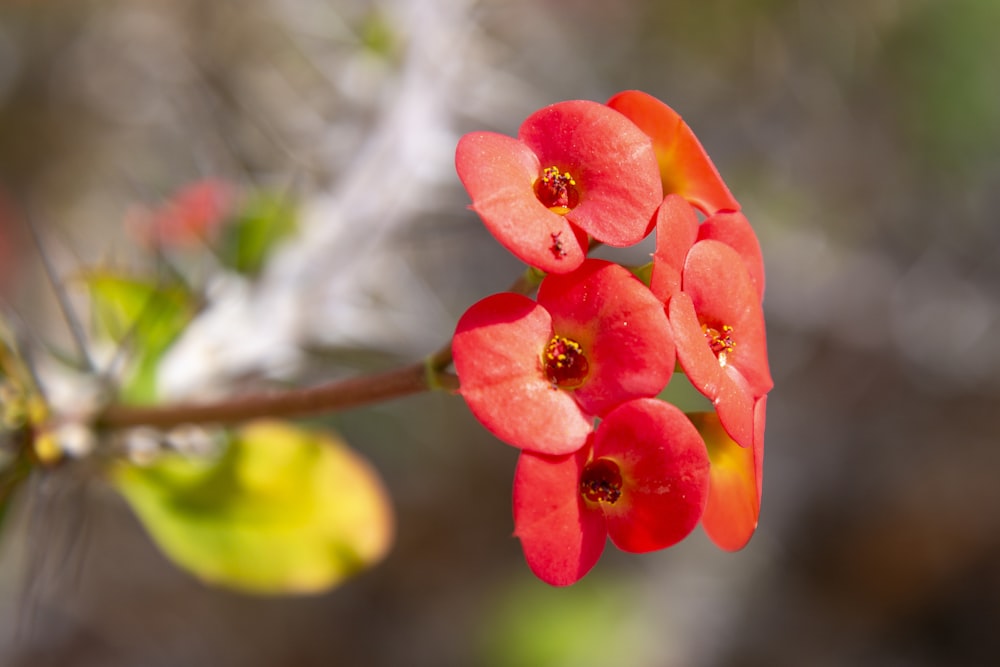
[142, 315]
[284, 510]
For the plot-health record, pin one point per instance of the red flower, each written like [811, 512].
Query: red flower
[736, 480]
[733, 229]
[535, 374]
[718, 326]
[192, 216]
[642, 479]
[576, 168]
[685, 167]
[676, 232]
[677, 229]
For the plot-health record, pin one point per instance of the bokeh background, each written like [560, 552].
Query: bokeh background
[862, 138]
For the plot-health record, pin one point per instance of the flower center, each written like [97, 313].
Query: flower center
[601, 482]
[720, 340]
[565, 363]
[557, 190]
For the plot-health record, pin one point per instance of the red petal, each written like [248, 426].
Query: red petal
[676, 231]
[621, 326]
[497, 349]
[733, 508]
[734, 403]
[693, 353]
[664, 468]
[685, 167]
[191, 217]
[562, 538]
[733, 229]
[499, 173]
[725, 387]
[721, 290]
[759, 422]
[612, 161]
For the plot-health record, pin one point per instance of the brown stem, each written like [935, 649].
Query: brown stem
[302, 402]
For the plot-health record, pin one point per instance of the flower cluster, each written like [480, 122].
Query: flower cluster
[572, 377]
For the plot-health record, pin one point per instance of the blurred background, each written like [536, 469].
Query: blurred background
[863, 140]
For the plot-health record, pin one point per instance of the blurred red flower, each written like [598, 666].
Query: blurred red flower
[192, 216]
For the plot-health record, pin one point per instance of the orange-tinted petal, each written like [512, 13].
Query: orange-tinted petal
[685, 167]
[733, 508]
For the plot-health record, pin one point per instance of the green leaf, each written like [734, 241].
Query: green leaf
[142, 315]
[264, 220]
[284, 510]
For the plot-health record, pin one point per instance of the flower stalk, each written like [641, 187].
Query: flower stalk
[320, 399]
[329, 397]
